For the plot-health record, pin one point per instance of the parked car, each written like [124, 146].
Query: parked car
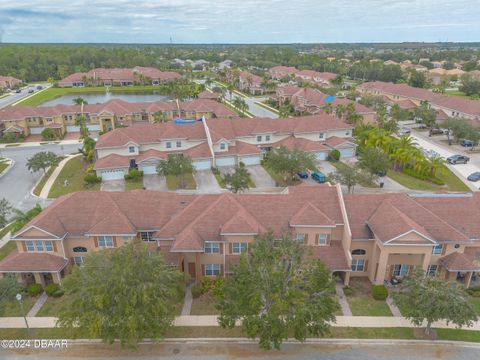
[31, 91]
[405, 131]
[319, 177]
[18, 91]
[458, 159]
[468, 143]
[39, 87]
[303, 174]
[474, 176]
[435, 131]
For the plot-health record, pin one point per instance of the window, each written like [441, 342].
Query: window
[79, 260]
[321, 239]
[259, 138]
[125, 238]
[79, 249]
[437, 249]
[212, 248]
[431, 270]
[146, 235]
[222, 146]
[179, 144]
[358, 265]
[359, 252]
[105, 241]
[30, 246]
[39, 245]
[168, 144]
[212, 269]
[301, 238]
[321, 135]
[239, 247]
[48, 245]
[267, 137]
[131, 149]
[400, 270]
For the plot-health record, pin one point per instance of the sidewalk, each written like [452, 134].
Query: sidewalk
[51, 180]
[211, 320]
[39, 143]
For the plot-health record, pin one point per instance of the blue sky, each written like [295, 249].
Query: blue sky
[239, 21]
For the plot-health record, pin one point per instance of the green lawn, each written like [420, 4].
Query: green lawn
[133, 184]
[362, 303]
[12, 307]
[6, 249]
[363, 182]
[457, 93]
[3, 164]
[476, 304]
[219, 178]
[74, 172]
[451, 180]
[173, 183]
[279, 178]
[52, 93]
[43, 180]
[53, 305]
[12, 145]
[204, 305]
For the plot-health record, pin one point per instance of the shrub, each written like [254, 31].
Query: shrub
[51, 288]
[91, 179]
[34, 289]
[215, 171]
[134, 174]
[48, 134]
[8, 138]
[334, 155]
[58, 293]
[379, 292]
[411, 172]
[197, 290]
[347, 290]
[90, 169]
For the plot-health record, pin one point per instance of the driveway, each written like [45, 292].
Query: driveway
[113, 185]
[260, 177]
[155, 182]
[206, 182]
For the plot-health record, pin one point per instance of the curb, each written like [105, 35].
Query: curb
[7, 169]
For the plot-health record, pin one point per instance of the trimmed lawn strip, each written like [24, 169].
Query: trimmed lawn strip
[411, 182]
[476, 304]
[204, 305]
[364, 183]
[12, 307]
[173, 183]
[74, 172]
[43, 180]
[279, 180]
[3, 165]
[12, 145]
[452, 180]
[133, 184]
[53, 305]
[362, 302]
[219, 178]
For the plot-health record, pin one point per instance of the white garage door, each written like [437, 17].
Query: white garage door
[36, 130]
[112, 174]
[350, 152]
[202, 164]
[321, 155]
[225, 161]
[148, 169]
[73, 128]
[92, 127]
[251, 160]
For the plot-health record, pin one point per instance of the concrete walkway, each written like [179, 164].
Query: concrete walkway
[187, 302]
[38, 305]
[48, 185]
[393, 308]
[343, 300]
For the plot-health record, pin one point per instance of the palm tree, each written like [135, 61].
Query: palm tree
[241, 105]
[436, 164]
[159, 117]
[230, 89]
[79, 101]
[340, 110]
[327, 108]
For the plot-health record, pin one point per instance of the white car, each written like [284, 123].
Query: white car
[404, 131]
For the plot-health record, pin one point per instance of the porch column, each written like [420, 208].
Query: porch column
[346, 281]
[382, 267]
[426, 261]
[373, 263]
[468, 278]
[56, 278]
[39, 279]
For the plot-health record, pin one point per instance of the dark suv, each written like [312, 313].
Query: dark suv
[458, 159]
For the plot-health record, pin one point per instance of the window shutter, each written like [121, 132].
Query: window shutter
[203, 269]
[317, 239]
[306, 239]
[24, 246]
[230, 248]
[54, 246]
[365, 267]
[444, 248]
[114, 241]
[221, 248]
[327, 240]
[96, 241]
[221, 269]
[72, 261]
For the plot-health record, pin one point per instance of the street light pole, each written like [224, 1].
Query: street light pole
[19, 298]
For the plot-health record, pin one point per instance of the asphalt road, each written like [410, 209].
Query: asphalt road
[15, 185]
[219, 351]
[14, 97]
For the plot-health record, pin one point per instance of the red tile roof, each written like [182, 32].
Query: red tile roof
[38, 262]
[112, 161]
[310, 215]
[121, 74]
[206, 94]
[457, 261]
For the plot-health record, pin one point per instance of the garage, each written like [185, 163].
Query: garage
[202, 164]
[73, 128]
[113, 174]
[251, 160]
[93, 127]
[322, 155]
[36, 130]
[347, 152]
[225, 161]
[148, 169]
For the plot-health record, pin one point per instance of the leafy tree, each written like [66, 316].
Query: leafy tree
[79, 101]
[399, 114]
[239, 180]
[290, 162]
[81, 121]
[460, 128]
[286, 110]
[127, 294]
[5, 209]
[41, 161]
[470, 85]
[240, 105]
[374, 160]
[48, 134]
[176, 165]
[417, 79]
[88, 148]
[429, 299]
[348, 176]
[9, 287]
[277, 291]
[427, 116]
[159, 117]
[21, 218]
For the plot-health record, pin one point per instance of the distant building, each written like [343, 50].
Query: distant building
[9, 82]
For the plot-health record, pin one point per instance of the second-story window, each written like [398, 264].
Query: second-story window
[168, 145]
[131, 149]
[301, 237]
[222, 146]
[147, 235]
[321, 239]
[239, 247]
[105, 241]
[437, 249]
[39, 245]
[321, 135]
[267, 137]
[30, 246]
[212, 248]
[179, 144]
[48, 245]
[259, 138]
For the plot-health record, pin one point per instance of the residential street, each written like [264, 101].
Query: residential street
[218, 350]
[16, 185]
[14, 97]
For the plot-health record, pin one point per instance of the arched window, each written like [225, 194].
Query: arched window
[359, 252]
[79, 249]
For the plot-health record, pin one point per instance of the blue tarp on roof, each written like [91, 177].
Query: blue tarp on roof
[330, 99]
[183, 121]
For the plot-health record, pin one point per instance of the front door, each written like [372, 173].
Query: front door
[191, 270]
[48, 278]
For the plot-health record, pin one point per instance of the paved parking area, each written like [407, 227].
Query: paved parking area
[155, 182]
[113, 185]
[206, 182]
